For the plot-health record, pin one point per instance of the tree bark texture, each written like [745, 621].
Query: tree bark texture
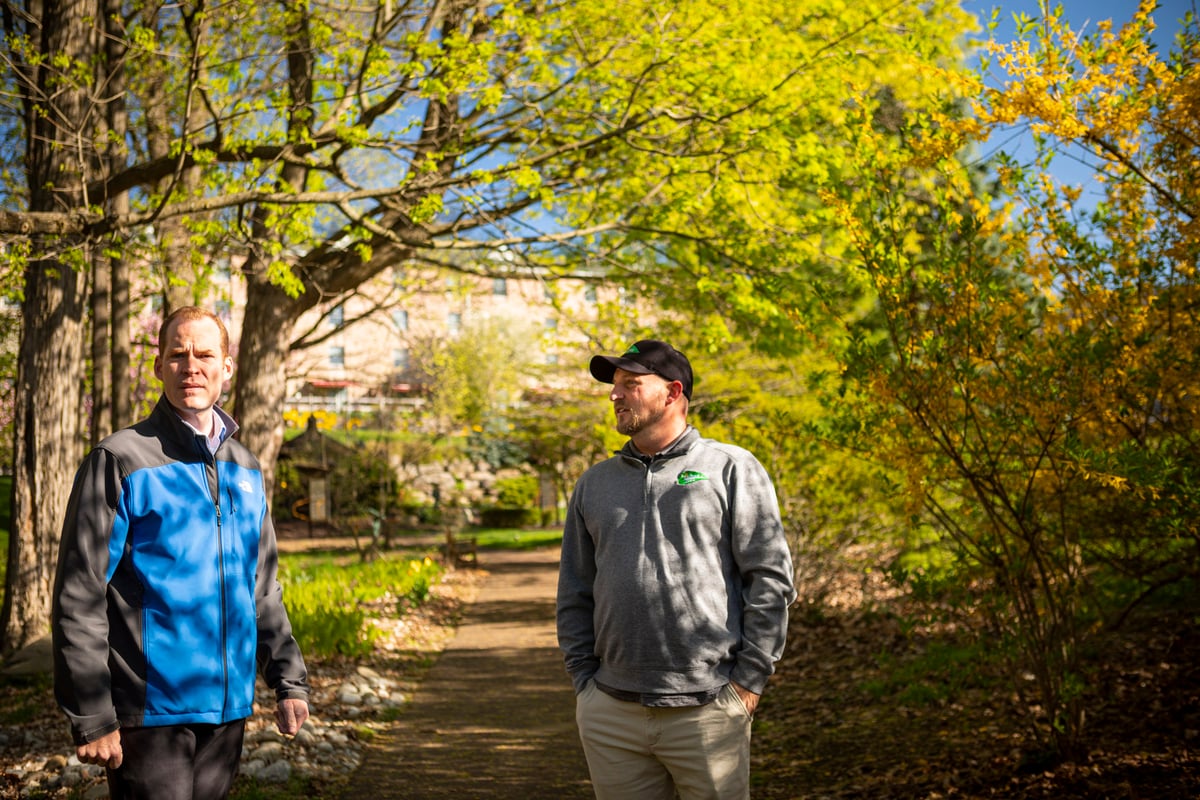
[48, 427]
[120, 404]
[260, 378]
[101, 356]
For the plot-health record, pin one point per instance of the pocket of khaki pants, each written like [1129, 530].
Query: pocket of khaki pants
[737, 700]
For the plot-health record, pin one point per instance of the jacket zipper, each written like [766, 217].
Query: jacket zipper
[210, 463]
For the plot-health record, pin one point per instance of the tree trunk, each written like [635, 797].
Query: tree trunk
[120, 341]
[48, 435]
[101, 418]
[48, 443]
[260, 378]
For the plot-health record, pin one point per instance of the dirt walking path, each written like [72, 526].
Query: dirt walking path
[495, 716]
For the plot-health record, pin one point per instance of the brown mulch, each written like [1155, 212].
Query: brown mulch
[863, 706]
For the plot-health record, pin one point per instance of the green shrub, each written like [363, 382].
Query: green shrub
[498, 517]
[514, 507]
[517, 492]
[423, 513]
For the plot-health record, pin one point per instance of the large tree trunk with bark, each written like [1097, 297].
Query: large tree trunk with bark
[101, 355]
[121, 400]
[49, 441]
[122, 343]
[48, 427]
[260, 379]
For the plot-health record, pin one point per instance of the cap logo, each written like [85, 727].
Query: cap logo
[689, 476]
[633, 348]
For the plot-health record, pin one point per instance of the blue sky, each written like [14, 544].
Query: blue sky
[1082, 15]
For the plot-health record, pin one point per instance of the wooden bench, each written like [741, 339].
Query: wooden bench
[465, 550]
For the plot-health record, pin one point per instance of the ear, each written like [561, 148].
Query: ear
[227, 367]
[158, 367]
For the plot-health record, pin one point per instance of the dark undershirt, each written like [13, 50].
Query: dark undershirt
[685, 700]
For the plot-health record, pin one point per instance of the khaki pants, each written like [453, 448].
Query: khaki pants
[639, 753]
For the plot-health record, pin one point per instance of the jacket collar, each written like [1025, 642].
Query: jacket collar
[677, 448]
[165, 416]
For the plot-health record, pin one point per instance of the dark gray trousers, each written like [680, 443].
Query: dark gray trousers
[178, 762]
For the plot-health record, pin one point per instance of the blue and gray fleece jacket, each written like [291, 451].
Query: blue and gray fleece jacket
[166, 595]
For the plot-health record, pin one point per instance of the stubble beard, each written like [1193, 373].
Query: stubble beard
[635, 423]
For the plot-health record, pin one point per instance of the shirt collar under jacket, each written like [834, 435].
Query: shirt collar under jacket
[223, 425]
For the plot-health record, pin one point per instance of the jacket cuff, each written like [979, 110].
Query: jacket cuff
[750, 679]
[82, 737]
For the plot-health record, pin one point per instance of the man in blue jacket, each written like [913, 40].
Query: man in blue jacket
[166, 597]
[673, 592]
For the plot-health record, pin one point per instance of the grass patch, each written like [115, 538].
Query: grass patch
[389, 713]
[247, 788]
[330, 600]
[942, 671]
[515, 538]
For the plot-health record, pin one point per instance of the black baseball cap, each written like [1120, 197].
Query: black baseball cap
[647, 357]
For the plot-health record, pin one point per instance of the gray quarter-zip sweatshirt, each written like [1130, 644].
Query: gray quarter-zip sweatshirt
[675, 575]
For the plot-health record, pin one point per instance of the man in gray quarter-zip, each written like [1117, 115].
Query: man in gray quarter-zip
[673, 593]
[166, 598]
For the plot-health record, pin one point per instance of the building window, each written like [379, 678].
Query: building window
[499, 286]
[550, 324]
[337, 356]
[400, 320]
[337, 316]
[589, 294]
[400, 358]
[454, 322]
[398, 277]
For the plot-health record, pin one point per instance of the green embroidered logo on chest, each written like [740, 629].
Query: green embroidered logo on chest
[690, 476]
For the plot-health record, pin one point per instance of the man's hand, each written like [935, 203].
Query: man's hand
[290, 715]
[105, 751]
[749, 699]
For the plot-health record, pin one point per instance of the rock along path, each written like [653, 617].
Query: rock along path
[495, 716]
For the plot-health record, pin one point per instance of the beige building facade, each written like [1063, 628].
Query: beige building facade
[366, 350]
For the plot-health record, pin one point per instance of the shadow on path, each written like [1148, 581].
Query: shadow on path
[495, 716]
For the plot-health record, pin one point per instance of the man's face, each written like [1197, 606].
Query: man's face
[638, 400]
[192, 367]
